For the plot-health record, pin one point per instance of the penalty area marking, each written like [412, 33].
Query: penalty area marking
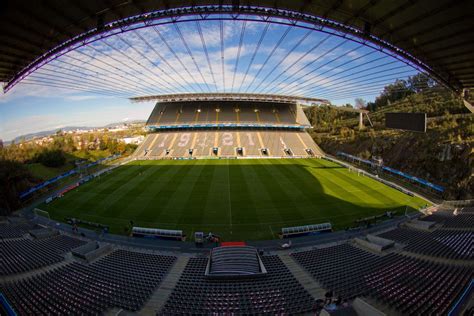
[271, 230]
[230, 202]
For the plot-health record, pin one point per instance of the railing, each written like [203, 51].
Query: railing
[455, 310]
[6, 305]
[64, 175]
[460, 203]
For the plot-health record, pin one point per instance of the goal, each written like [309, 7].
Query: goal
[42, 213]
[358, 171]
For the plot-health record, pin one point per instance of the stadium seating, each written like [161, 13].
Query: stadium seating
[408, 285]
[440, 243]
[278, 292]
[425, 277]
[15, 230]
[463, 220]
[223, 112]
[178, 144]
[417, 287]
[24, 255]
[271, 132]
[340, 268]
[123, 279]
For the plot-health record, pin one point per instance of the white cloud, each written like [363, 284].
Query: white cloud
[140, 63]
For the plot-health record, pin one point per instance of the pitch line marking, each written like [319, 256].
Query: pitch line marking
[230, 202]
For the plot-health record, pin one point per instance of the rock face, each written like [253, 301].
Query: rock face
[443, 155]
[450, 165]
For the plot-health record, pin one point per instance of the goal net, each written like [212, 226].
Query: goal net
[358, 171]
[42, 213]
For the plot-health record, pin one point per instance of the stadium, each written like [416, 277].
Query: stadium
[241, 199]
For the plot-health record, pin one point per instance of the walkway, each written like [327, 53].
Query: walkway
[161, 295]
[304, 278]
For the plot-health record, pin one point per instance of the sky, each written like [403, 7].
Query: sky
[90, 86]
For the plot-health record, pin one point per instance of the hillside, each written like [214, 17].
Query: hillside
[443, 155]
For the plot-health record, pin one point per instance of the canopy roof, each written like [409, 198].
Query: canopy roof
[256, 97]
[436, 35]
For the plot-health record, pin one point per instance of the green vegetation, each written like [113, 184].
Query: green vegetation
[14, 178]
[442, 155]
[237, 199]
[42, 172]
[52, 158]
[44, 158]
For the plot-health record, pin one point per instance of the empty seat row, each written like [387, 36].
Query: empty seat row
[450, 244]
[231, 143]
[122, 279]
[409, 285]
[15, 230]
[464, 219]
[278, 292]
[23, 255]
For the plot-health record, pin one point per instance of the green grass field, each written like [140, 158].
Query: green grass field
[237, 199]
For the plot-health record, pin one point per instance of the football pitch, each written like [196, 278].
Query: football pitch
[245, 199]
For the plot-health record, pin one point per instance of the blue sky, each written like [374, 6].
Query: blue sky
[96, 79]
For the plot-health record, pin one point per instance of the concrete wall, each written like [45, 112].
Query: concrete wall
[367, 244]
[422, 225]
[383, 242]
[363, 308]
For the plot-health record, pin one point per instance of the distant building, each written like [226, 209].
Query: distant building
[133, 140]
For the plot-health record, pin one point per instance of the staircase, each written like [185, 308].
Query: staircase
[160, 296]
[303, 277]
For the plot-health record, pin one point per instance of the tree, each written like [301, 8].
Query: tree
[420, 83]
[14, 178]
[51, 158]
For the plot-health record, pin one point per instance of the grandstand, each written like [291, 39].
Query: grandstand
[416, 277]
[358, 244]
[203, 129]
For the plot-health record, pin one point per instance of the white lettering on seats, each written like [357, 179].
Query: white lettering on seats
[227, 139]
[162, 144]
[249, 136]
[184, 139]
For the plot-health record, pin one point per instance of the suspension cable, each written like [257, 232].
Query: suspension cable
[279, 77]
[122, 63]
[287, 84]
[352, 68]
[254, 53]
[282, 38]
[59, 84]
[155, 82]
[242, 32]
[339, 84]
[62, 79]
[314, 72]
[337, 80]
[163, 39]
[128, 80]
[357, 87]
[283, 59]
[81, 79]
[172, 89]
[165, 61]
[183, 40]
[222, 53]
[373, 91]
[204, 47]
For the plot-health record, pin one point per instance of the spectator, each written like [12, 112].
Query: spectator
[328, 297]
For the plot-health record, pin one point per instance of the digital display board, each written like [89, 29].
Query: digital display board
[415, 122]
